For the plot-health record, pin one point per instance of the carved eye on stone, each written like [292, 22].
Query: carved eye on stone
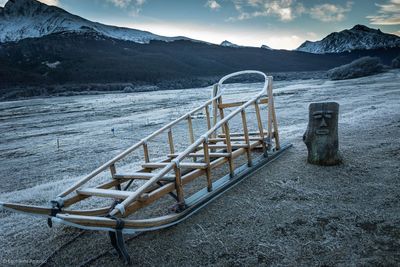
[328, 114]
[317, 115]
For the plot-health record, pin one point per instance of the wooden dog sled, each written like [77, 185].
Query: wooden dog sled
[174, 173]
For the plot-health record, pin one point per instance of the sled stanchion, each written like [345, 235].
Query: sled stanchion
[229, 149]
[246, 138]
[270, 110]
[272, 116]
[113, 170]
[191, 134]
[207, 161]
[171, 142]
[146, 152]
[208, 117]
[215, 105]
[179, 188]
[221, 112]
[260, 126]
[215, 110]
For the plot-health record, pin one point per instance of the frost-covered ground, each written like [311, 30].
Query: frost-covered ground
[291, 213]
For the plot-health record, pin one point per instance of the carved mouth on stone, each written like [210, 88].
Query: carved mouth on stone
[322, 131]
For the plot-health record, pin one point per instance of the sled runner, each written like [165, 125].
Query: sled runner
[173, 174]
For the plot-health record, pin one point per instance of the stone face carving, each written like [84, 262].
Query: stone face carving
[321, 136]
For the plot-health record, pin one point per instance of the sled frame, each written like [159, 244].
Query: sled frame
[214, 148]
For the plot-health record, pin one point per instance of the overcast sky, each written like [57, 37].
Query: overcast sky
[277, 23]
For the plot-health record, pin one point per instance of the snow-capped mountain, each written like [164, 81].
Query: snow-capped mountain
[229, 44]
[20, 19]
[266, 47]
[359, 37]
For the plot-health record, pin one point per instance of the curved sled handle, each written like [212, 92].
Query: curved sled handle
[223, 79]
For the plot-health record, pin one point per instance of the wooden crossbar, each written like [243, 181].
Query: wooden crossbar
[233, 139]
[234, 145]
[142, 176]
[236, 134]
[211, 155]
[240, 103]
[118, 194]
[158, 165]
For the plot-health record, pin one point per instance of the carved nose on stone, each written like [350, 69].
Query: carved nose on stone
[323, 123]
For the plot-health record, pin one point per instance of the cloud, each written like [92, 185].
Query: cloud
[285, 10]
[288, 10]
[47, 2]
[388, 14]
[120, 3]
[312, 35]
[50, 2]
[135, 6]
[330, 12]
[213, 5]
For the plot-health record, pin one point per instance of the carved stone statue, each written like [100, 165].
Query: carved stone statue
[321, 136]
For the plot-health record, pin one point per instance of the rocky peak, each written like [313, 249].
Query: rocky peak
[359, 37]
[266, 47]
[23, 7]
[228, 44]
[363, 28]
[20, 19]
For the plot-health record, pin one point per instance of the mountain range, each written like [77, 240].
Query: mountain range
[20, 19]
[44, 45]
[357, 38]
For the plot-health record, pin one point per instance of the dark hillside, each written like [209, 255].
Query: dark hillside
[92, 58]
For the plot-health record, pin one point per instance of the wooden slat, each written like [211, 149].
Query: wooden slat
[104, 193]
[242, 134]
[76, 198]
[240, 103]
[142, 176]
[188, 165]
[212, 155]
[233, 139]
[233, 146]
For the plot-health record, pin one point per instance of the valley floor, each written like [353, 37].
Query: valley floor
[288, 214]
